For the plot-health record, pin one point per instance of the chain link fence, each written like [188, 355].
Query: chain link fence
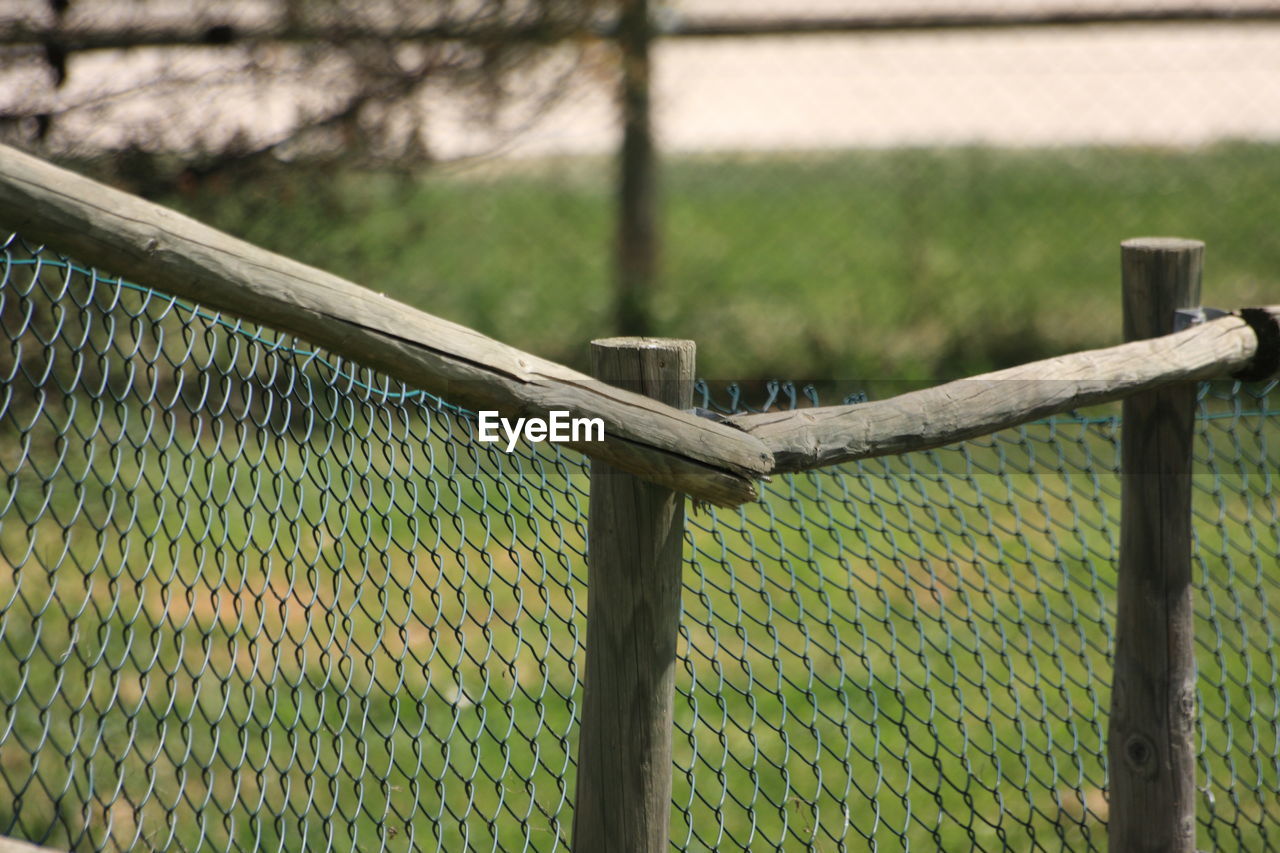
[874, 164]
[256, 597]
[880, 165]
[877, 164]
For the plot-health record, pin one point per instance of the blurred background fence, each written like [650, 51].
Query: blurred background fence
[943, 170]
[254, 596]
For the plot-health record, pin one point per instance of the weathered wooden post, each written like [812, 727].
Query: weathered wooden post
[634, 562]
[636, 254]
[1150, 743]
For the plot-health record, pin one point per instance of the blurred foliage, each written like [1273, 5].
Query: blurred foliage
[300, 79]
[906, 264]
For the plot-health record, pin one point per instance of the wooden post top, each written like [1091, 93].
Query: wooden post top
[643, 342]
[1162, 244]
[1161, 275]
[660, 368]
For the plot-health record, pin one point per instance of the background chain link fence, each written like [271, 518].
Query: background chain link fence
[255, 597]
[933, 182]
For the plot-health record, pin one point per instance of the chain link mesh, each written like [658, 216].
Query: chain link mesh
[254, 596]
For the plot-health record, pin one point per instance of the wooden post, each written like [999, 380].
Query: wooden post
[1150, 743]
[635, 548]
[637, 235]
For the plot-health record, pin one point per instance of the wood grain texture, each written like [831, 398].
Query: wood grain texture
[1150, 749]
[812, 438]
[158, 248]
[635, 548]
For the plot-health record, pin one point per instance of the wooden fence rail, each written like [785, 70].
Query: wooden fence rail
[720, 463]
[1246, 344]
[93, 35]
[157, 247]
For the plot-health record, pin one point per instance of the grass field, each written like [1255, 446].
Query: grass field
[915, 264]
[247, 601]
[366, 630]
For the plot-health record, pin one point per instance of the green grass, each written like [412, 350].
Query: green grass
[913, 264]
[374, 630]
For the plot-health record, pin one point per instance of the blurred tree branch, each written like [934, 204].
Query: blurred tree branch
[225, 82]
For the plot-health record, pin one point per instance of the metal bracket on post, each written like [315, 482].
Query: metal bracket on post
[700, 412]
[1185, 318]
[1266, 362]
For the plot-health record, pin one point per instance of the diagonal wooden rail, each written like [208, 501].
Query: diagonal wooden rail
[159, 248]
[1246, 343]
[720, 463]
